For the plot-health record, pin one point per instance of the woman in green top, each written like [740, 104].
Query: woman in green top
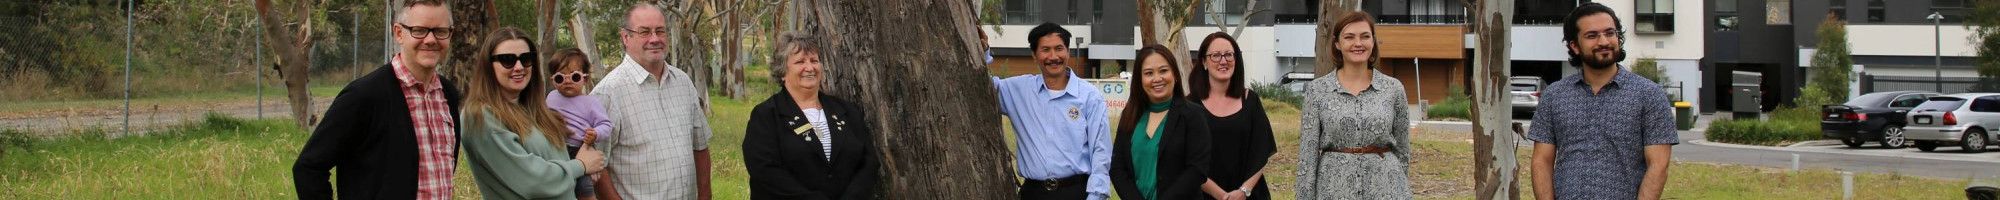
[1159, 152]
[513, 139]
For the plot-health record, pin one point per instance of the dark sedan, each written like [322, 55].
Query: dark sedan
[1871, 117]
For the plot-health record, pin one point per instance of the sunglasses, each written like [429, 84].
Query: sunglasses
[526, 59]
[574, 76]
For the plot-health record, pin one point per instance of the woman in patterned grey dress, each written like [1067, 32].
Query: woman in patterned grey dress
[1354, 137]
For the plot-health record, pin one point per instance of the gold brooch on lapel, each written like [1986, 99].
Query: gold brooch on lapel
[801, 130]
[805, 131]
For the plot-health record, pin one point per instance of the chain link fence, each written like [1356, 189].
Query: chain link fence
[71, 66]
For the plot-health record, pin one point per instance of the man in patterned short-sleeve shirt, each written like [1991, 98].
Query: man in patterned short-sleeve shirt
[1605, 133]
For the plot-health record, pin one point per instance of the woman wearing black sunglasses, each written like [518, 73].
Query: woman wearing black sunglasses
[515, 142]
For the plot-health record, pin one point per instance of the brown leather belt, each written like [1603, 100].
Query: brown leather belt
[1378, 150]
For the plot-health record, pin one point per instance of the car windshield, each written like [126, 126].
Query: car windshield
[1941, 104]
[1519, 87]
[1870, 100]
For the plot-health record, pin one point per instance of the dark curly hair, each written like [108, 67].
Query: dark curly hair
[1570, 29]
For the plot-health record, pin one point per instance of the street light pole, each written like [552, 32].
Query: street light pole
[1937, 48]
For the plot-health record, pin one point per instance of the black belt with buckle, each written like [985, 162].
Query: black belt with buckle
[1051, 185]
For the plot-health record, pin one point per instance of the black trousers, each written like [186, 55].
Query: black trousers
[1067, 188]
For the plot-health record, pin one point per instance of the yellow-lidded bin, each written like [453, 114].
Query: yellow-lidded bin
[1683, 116]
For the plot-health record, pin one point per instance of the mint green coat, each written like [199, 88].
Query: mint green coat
[508, 166]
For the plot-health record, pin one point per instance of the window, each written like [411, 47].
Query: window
[1221, 12]
[1953, 10]
[1837, 8]
[1096, 10]
[1725, 15]
[1940, 104]
[1875, 13]
[1778, 12]
[1986, 104]
[1654, 16]
[1908, 100]
[1022, 12]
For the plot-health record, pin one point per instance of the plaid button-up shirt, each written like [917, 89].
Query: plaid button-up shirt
[436, 144]
[661, 123]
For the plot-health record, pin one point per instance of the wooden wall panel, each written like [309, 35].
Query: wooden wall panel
[1421, 41]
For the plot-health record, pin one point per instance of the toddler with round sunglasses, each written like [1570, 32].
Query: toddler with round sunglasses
[583, 114]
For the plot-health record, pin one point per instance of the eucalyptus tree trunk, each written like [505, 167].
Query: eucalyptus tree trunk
[1163, 22]
[545, 26]
[917, 70]
[1325, 55]
[732, 46]
[1494, 135]
[291, 44]
[579, 29]
[471, 21]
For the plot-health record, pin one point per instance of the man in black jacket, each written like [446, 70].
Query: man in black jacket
[393, 133]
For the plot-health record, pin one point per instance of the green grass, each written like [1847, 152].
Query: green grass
[1446, 166]
[219, 157]
[1710, 181]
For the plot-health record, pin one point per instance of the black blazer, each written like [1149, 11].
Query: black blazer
[368, 134]
[1183, 156]
[785, 161]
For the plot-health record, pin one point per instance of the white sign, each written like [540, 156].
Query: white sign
[1115, 91]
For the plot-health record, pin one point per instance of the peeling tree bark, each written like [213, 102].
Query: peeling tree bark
[579, 30]
[1494, 136]
[1324, 53]
[291, 45]
[545, 26]
[916, 68]
[471, 20]
[1163, 23]
[732, 29]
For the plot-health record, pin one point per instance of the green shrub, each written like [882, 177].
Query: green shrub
[11, 138]
[1801, 113]
[1276, 92]
[219, 121]
[1760, 132]
[1455, 105]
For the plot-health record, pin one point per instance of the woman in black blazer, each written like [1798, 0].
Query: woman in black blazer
[803, 144]
[1159, 152]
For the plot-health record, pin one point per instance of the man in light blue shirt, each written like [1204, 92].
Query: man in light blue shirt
[1064, 141]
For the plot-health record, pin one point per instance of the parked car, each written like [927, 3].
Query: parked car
[1526, 92]
[1296, 81]
[1870, 117]
[1967, 120]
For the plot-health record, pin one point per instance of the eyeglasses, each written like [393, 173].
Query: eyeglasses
[573, 76]
[1221, 56]
[420, 32]
[525, 59]
[647, 32]
[1611, 32]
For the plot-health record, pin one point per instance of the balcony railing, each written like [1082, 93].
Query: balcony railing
[1420, 19]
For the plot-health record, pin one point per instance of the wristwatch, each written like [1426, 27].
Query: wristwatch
[1247, 192]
